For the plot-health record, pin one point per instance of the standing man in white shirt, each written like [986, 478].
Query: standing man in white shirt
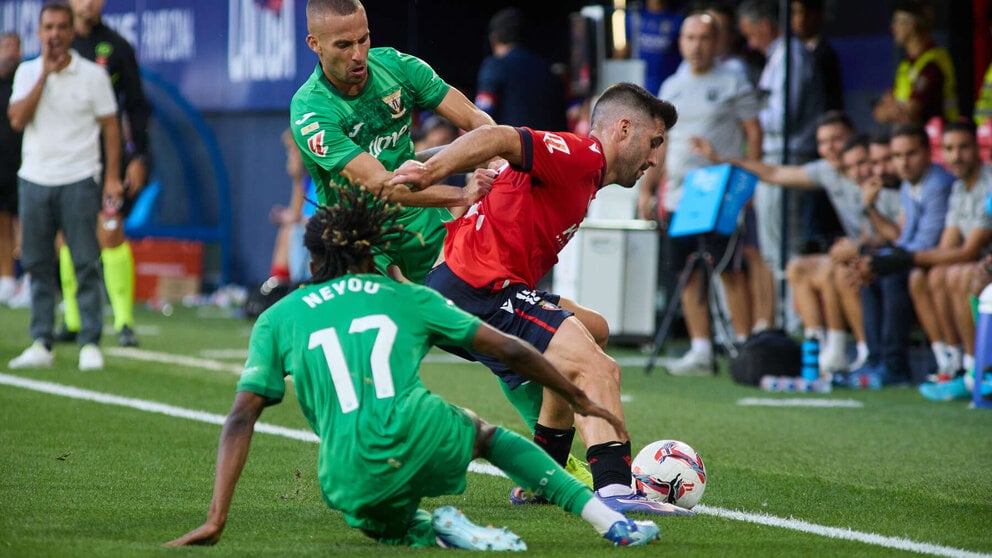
[63, 103]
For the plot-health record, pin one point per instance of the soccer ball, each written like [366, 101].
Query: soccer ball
[670, 471]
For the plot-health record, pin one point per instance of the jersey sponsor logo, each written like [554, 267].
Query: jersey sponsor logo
[316, 144]
[103, 51]
[304, 118]
[382, 143]
[354, 131]
[309, 128]
[567, 234]
[555, 142]
[395, 103]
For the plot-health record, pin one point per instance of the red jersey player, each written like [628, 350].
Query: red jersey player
[496, 253]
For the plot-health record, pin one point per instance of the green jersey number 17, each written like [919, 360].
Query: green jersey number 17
[382, 376]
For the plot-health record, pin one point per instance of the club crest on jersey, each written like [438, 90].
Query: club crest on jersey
[316, 144]
[395, 103]
[103, 51]
[555, 142]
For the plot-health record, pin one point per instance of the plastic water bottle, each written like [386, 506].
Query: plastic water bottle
[983, 343]
[811, 359]
[789, 384]
[865, 381]
[111, 214]
[769, 383]
[820, 386]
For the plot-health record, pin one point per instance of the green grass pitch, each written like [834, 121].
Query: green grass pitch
[87, 478]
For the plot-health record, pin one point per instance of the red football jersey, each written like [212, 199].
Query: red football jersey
[514, 233]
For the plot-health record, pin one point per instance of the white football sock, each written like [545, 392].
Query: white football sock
[614, 490]
[954, 357]
[702, 346]
[600, 516]
[968, 362]
[939, 349]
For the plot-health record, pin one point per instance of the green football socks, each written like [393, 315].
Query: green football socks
[67, 276]
[118, 274]
[532, 468]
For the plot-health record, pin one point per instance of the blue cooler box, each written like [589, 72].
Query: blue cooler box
[712, 198]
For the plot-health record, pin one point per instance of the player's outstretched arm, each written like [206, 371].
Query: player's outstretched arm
[232, 453]
[526, 361]
[368, 171]
[472, 150]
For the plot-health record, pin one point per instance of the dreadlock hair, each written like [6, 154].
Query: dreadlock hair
[340, 237]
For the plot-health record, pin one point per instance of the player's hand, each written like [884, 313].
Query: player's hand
[205, 535]
[863, 267]
[479, 184]
[586, 407]
[704, 148]
[886, 109]
[870, 190]
[647, 206]
[496, 163]
[135, 177]
[843, 251]
[51, 61]
[113, 191]
[412, 174]
[282, 215]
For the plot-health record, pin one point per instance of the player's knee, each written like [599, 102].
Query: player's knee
[917, 281]
[608, 369]
[794, 271]
[598, 327]
[937, 278]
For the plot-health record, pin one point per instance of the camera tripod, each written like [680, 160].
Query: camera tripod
[699, 259]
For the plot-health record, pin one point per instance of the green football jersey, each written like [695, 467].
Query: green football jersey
[331, 129]
[353, 346]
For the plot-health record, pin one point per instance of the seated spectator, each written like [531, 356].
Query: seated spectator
[807, 274]
[946, 319]
[888, 309]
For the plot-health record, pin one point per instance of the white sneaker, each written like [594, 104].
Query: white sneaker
[858, 363]
[692, 363]
[35, 356]
[831, 362]
[8, 288]
[90, 357]
[22, 299]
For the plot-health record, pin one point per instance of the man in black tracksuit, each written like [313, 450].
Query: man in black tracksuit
[101, 44]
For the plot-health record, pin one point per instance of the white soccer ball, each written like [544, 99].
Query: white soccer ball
[670, 471]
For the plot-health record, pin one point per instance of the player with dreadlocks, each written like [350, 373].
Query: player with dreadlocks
[353, 341]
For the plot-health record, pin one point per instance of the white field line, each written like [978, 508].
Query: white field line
[485, 468]
[798, 402]
[169, 358]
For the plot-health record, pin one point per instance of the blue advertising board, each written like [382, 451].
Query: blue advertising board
[222, 55]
